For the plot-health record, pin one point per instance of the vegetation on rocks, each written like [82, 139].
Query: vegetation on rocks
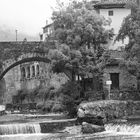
[108, 109]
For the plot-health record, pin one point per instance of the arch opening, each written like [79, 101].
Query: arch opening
[39, 59]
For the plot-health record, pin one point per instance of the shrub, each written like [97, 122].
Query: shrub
[129, 95]
[71, 98]
[47, 106]
[39, 105]
[58, 108]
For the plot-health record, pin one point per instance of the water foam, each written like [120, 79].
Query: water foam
[26, 128]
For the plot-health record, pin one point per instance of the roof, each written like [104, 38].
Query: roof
[48, 25]
[116, 57]
[105, 4]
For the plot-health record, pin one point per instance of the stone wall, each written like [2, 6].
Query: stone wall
[14, 80]
[126, 80]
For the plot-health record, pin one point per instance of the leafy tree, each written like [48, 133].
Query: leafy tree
[131, 29]
[81, 38]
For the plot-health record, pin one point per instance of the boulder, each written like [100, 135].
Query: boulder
[91, 119]
[95, 115]
[90, 128]
[102, 111]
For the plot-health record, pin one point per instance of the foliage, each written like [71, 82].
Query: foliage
[20, 97]
[71, 97]
[57, 107]
[80, 35]
[131, 29]
[132, 94]
[47, 106]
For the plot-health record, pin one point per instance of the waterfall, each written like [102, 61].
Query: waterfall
[124, 128]
[26, 128]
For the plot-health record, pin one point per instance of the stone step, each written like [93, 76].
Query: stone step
[56, 125]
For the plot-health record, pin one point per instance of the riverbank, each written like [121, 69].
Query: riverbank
[24, 118]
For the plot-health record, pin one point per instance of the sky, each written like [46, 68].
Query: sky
[26, 16]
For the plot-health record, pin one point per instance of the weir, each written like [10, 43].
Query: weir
[123, 128]
[35, 128]
[26, 128]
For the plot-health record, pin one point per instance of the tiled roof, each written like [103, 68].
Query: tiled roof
[116, 1]
[113, 3]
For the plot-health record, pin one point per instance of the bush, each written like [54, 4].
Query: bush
[58, 108]
[71, 98]
[39, 105]
[130, 95]
[47, 106]
[95, 95]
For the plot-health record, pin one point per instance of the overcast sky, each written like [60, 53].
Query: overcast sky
[27, 16]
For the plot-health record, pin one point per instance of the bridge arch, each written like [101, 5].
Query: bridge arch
[39, 59]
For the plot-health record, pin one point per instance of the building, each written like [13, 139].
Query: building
[47, 30]
[32, 74]
[116, 11]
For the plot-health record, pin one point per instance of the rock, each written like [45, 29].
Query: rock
[90, 128]
[91, 119]
[95, 116]
[99, 112]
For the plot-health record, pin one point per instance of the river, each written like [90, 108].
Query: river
[114, 131]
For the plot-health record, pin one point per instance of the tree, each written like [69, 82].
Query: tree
[131, 29]
[81, 38]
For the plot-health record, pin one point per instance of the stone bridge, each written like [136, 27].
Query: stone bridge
[27, 71]
[22, 72]
[10, 63]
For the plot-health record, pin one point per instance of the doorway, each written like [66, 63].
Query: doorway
[114, 77]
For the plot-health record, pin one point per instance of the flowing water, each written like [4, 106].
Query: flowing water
[114, 131]
[25, 128]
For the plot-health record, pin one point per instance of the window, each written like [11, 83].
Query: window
[23, 73]
[33, 71]
[114, 77]
[110, 13]
[37, 70]
[28, 72]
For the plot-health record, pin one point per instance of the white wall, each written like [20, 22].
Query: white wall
[118, 16]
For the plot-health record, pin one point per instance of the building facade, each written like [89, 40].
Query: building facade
[116, 11]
